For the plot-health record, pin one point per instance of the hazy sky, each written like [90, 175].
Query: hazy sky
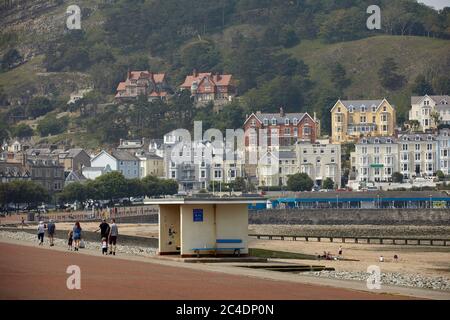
[437, 4]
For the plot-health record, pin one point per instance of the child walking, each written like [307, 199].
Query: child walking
[70, 240]
[104, 246]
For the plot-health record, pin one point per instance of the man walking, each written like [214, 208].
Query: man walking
[51, 231]
[104, 229]
[113, 233]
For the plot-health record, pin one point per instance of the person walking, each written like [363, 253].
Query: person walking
[23, 222]
[113, 233]
[340, 252]
[77, 235]
[41, 232]
[104, 229]
[51, 232]
[70, 240]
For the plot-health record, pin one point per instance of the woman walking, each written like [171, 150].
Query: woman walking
[41, 232]
[77, 235]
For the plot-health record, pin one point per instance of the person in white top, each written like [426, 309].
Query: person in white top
[41, 232]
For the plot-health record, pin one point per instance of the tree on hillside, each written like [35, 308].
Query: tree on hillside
[442, 85]
[38, 106]
[22, 131]
[339, 77]
[10, 58]
[200, 55]
[421, 86]
[50, 125]
[300, 182]
[389, 78]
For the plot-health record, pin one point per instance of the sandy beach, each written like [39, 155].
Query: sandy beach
[424, 260]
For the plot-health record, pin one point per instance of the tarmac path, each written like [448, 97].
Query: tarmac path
[40, 273]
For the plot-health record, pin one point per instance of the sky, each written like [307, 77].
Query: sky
[437, 4]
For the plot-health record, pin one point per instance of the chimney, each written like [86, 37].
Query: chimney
[195, 73]
[121, 142]
[315, 118]
[281, 112]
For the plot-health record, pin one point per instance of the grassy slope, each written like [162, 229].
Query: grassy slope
[362, 59]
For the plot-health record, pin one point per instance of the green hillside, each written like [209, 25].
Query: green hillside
[362, 59]
[280, 52]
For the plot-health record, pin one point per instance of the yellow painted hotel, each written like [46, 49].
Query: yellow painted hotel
[353, 119]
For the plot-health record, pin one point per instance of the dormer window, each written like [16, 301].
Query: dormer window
[388, 140]
[350, 109]
[274, 121]
[444, 102]
[295, 121]
[363, 108]
[266, 121]
[430, 138]
[377, 141]
[286, 121]
[364, 141]
[417, 138]
[405, 138]
[374, 108]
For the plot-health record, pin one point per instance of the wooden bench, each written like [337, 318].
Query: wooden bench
[235, 249]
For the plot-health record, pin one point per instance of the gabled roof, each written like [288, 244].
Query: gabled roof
[358, 104]
[75, 176]
[124, 156]
[157, 77]
[437, 99]
[277, 116]
[217, 80]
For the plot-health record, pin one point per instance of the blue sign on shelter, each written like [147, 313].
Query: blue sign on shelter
[198, 215]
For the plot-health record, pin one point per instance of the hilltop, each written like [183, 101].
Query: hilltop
[295, 54]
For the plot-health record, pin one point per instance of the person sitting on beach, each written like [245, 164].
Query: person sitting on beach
[70, 240]
[395, 257]
[381, 259]
[104, 246]
[340, 251]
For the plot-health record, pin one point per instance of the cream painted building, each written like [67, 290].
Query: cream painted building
[352, 119]
[275, 167]
[418, 155]
[320, 161]
[423, 108]
[150, 165]
[375, 159]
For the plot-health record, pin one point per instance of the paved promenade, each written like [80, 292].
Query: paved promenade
[29, 272]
